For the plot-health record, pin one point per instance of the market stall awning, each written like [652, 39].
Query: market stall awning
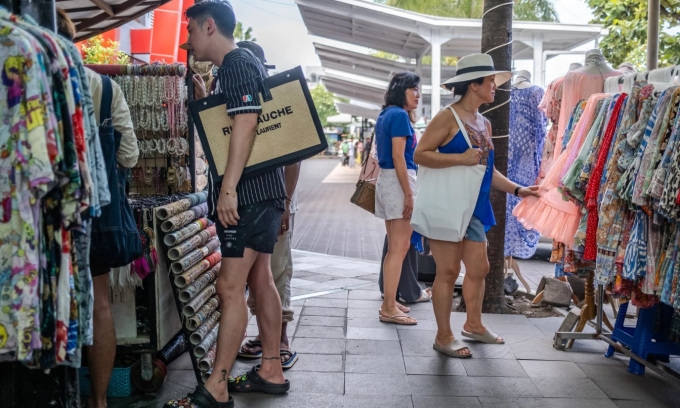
[370, 66]
[355, 109]
[93, 17]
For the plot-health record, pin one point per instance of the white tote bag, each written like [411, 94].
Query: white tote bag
[446, 198]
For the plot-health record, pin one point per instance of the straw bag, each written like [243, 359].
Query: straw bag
[446, 198]
[364, 195]
[288, 130]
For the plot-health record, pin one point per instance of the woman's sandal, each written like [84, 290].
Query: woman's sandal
[252, 382]
[292, 359]
[200, 398]
[249, 354]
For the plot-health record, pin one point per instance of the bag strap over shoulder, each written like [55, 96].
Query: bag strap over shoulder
[107, 100]
[461, 126]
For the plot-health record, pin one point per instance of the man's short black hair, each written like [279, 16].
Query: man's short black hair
[219, 10]
[396, 90]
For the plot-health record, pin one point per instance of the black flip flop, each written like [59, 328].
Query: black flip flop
[200, 398]
[252, 382]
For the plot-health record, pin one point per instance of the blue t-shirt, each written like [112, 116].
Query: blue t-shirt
[393, 121]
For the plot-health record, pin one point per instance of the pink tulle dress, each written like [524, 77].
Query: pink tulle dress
[552, 215]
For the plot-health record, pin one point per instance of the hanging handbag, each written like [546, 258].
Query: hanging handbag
[115, 240]
[364, 195]
[446, 198]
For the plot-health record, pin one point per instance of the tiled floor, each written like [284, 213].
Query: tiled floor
[350, 359]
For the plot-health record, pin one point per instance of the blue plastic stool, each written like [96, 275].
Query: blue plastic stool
[646, 338]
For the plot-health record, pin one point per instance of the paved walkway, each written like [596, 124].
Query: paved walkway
[350, 359]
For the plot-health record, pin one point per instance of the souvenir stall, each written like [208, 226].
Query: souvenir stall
[611, 198]
[52, 181]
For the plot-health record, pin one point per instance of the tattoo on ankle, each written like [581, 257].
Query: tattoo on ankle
[224, 376]
[271, 358]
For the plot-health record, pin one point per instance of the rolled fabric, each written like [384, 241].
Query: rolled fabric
[172, 209]
[195, 241]
[180, 220]
[206, 363]
[194, 304]
[199, 317]
[208, 341]
[174, 238]
[189, 276]
[198, 284]
[195, 256]
[199, 334]
[192, 200]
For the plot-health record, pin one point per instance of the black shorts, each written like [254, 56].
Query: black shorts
[257, 229]
[97, 270]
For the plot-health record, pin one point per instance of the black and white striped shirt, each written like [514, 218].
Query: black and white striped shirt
[240, 80]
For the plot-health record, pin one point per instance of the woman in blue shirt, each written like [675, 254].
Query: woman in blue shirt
[443, 145]
[395, 141]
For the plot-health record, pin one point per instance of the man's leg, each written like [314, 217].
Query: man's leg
[102, 353]
[230, 287]
[268, 317]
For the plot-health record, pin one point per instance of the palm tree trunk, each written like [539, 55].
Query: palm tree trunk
[496, 41]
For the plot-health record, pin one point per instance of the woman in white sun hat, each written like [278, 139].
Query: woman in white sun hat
[443, 145]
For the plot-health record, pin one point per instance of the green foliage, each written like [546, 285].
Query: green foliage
[243, 35]
[626, 21]
[524, 10]
[97, 50]
[324, 101]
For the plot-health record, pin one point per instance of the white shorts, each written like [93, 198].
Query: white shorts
[389, 197]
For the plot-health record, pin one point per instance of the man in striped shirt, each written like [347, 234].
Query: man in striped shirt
[248, 212]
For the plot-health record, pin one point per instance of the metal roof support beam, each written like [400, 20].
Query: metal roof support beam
[539, 73]
[436, 40]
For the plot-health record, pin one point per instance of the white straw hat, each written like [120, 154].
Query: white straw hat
[476, 66]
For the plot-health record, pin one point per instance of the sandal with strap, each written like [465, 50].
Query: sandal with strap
[249, 354]
[292, 359]
[200, 398]
[252, 382]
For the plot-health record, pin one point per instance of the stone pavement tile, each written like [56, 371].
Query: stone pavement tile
[342, 273]
[500, 402]
[318, 346]
[330, 363]
[502, 329]
[482, 367]
[364, 333]
[306, 265]
[495, 351]
[299, 292]
[301, 283]
[363, 294]
[551, 369]
[373, 348]
[422, 325]
[374, 364]
[377, 384]
[319, 278]
[424, 315]
[537, 349]
[305, 382]
[295, 400]
[568, 387]
[368, 278]
[378, 401]
[326, 302]
[417, 335]
[436, 365]
[548, 325]
[618, 383]
[256, 400]
[420, 401]
[324, 311]
[503, 387]
[342, 294]
[369, 322]
[458, 386]
[518, 338]
[369, 266]
[645, 404]
[182, 362]
[366, 286]
[320, 332]
[581, 403]
[505, 319]
[341, 283]
[302, 274]
[415, 348]
[336, 321]
[363, 313]
[364, 304]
